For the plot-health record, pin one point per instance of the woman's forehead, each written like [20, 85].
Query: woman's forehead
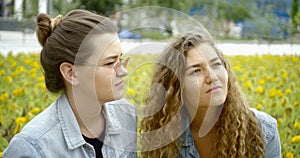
[202, 51]
[106, 46]
[101, 47]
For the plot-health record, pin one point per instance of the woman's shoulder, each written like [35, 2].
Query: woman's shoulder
[264, 119]
[121, 107]
[121, 112]
[272, 139]
[42, 123]
[269, 127]
[29, 141]
[23, 145]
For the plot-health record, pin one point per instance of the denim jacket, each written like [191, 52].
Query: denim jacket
[269, 127]
[56, 133]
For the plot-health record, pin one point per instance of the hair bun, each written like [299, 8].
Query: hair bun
[45, 26]
[56, 21]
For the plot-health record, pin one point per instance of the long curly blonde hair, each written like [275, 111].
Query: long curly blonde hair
[238, 132]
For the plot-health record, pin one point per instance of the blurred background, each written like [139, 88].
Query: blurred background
[264, 20]
[261, 39]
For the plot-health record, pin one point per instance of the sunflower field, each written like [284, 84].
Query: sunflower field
[270, 82]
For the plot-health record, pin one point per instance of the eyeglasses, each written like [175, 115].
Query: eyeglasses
[120, 63]
[116, 66]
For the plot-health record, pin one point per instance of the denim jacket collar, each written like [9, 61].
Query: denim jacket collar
[188, 141]
[188, 138]
[113, 125]
[187, 135]
[70, 127]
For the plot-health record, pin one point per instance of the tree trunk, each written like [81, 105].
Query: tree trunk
[3, 9]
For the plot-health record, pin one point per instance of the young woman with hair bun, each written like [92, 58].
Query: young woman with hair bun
[82, 61]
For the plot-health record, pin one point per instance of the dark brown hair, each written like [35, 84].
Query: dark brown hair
[61, 39]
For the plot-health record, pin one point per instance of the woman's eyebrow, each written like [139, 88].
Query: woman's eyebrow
[214, 59]
[112, 57]
[192, 66]
[199, 65]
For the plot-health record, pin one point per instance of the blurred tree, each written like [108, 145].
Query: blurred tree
[230, 12]
[166, 16]
[297, 20]
[64, 6]
[104, 7]
[223, 14]
[30, 8]
[234, 10]
[266, 24]
[173, 4]
[294, 17]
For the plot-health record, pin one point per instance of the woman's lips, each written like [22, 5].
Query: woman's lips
[119, 84]
[213, 89]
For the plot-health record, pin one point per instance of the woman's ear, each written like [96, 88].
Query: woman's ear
[68, 72]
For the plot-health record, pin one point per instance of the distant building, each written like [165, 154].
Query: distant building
[18, 15]
[278, 5]
[14, 8]
[281, 10]
[5, 8]
[276, 10]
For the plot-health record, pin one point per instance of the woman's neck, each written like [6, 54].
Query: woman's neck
[204, 119]
[88, 114]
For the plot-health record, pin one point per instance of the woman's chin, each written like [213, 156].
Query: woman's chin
[117, 96]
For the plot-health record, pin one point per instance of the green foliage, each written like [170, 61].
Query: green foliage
[222, 14]
[165, 15]
[173, 4]
[233, 11]
[297, 18]
[104, 7]
[30, 8]
[294, 16]
[63, 6]
[265, 20]
[226, 10]
[153, 34]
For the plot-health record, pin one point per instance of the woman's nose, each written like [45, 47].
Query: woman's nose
[210, 76]
[122, 71]
[120, 68]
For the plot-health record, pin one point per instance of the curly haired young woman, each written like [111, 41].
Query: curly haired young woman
[195, 108]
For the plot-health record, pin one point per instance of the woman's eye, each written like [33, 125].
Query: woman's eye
[196, 71]
[217, 64]
[110, 63]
